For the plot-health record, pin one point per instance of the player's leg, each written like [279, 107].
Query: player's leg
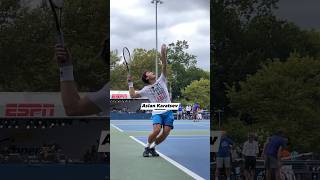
[219, 166]
[153, 135]
[246, 167]
[275, 168]
[253, 168]
[163, 135]
[168, 119]
[152, 145]
[193, 116]
[156, 119]
[151, 140]
[227, 165]
[167, 122]
[159, 139]
[268, 168]
[250, 168]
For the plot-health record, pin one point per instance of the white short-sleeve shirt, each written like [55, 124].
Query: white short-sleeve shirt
[250, 149]
[101, 99]
[156, 93]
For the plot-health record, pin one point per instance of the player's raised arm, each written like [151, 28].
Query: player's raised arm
[163, 59]
[73, 104]
[132, 92]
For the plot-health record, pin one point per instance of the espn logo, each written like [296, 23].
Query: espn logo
[29, 110]
[119, 96]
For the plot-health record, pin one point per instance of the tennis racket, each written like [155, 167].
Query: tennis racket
[127, 58]
[56, 5]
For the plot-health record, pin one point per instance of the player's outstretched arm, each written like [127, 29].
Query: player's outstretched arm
[73, 104]
[163, 59]
[132, 92]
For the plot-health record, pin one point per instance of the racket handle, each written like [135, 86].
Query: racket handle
[60, 38]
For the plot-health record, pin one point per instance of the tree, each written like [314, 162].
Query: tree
[283, 95]
[245, 35]
[183, 66]
[114, 59]
[8, 10]
[177, 54]
[27, 58]
[198, 91]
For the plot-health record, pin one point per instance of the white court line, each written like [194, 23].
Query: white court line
[150, 124]
[203, 125]
[117, 128]
[185, 137]
[184, 169]
[189, 138]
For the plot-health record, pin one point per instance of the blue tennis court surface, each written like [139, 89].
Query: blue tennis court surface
[188, 144]
[146, 125]
[192, 152]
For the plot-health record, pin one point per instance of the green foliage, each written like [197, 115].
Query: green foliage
[8, 10]
[198, 91]
[177, 54]
[283, 95]
[183, 67]
[114, 59]
[245, 35]
[27, 45]
[239, 130]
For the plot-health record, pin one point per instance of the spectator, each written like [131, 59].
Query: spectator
[199, 114]
[250, 151]
[188, 110]
[179, 113]
[272, 153]
[223, 156]
[195, 111]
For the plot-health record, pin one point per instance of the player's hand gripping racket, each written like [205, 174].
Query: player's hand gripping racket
[56, 5]
[127, 59]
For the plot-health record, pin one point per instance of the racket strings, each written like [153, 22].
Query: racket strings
[126, 56]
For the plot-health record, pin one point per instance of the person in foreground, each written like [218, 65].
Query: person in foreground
[157, 92]
[249, 151]
[272, 155]
[223, 158]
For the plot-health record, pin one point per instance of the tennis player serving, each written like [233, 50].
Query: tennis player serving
[157, 92]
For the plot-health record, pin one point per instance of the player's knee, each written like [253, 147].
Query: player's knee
[157, 130]
[166, 130]
[166, 133]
